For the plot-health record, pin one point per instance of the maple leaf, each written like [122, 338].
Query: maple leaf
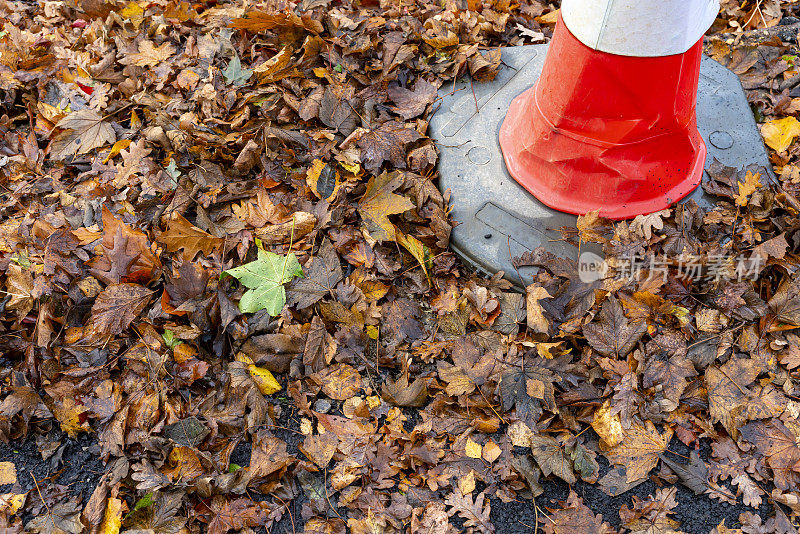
[264, 279]
[84, 130]
[150, 55]
[779, 445]
[639, 449]
[234, 73]
[322, 273]
[61, 518]
[530, 387]
[380, 201]
[386, 143]
[235, 514]
[552, 458]
[183, 235]
[401, 393]
[574, 518]
[475, 513]
[671, 374]
[785, 303]
[117, 306]
[410, 104]
[780, 133]
[592, 228]
[727, 391]
[613, 334]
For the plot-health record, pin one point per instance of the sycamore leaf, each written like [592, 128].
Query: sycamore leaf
[780, 133]
[264, 279]
[401, 393]
[150, 55]
[613, 334]
[322, 274]
[379, 201]
[386, 143]
[552, 458]
[639, 450]
[84, 130]
[61, 518]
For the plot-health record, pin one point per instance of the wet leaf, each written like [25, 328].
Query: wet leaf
[117, 306]
[264, 279]
[380, 201]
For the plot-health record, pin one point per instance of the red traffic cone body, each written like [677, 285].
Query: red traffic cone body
[606, 131]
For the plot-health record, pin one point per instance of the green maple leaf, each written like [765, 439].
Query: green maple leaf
[235, 74]
[264, 279]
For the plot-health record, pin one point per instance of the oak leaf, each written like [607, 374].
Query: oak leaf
[150, 55]
[181, 234]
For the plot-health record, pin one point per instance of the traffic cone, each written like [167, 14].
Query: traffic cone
[611, 123]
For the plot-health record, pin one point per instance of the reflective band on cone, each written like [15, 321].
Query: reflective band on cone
[606, 131]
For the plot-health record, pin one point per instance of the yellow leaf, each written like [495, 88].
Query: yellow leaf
[10, 503]
[8, 473]
[473, 449]
[607, 426]
[591, 227]
[112, 520]
[118, 147]
[417, 249]
[266, 383]
[379, 202]
[150, 55]
[639, 450]
[467, 484]
[536, 319]
[748, 187]
[134, 13]
[549, 18]
[779, 134]
[323, 180]
[491, 451]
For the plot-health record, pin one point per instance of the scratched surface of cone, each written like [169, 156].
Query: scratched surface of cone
[606, 131]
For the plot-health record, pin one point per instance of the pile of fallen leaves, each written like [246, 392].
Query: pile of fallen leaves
[221, 239]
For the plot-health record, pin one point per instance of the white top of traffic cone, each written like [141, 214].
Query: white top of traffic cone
[648, 28]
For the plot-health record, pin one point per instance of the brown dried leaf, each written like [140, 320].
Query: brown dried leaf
[117, 306]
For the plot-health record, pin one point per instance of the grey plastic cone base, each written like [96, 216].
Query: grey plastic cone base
[499, 220]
